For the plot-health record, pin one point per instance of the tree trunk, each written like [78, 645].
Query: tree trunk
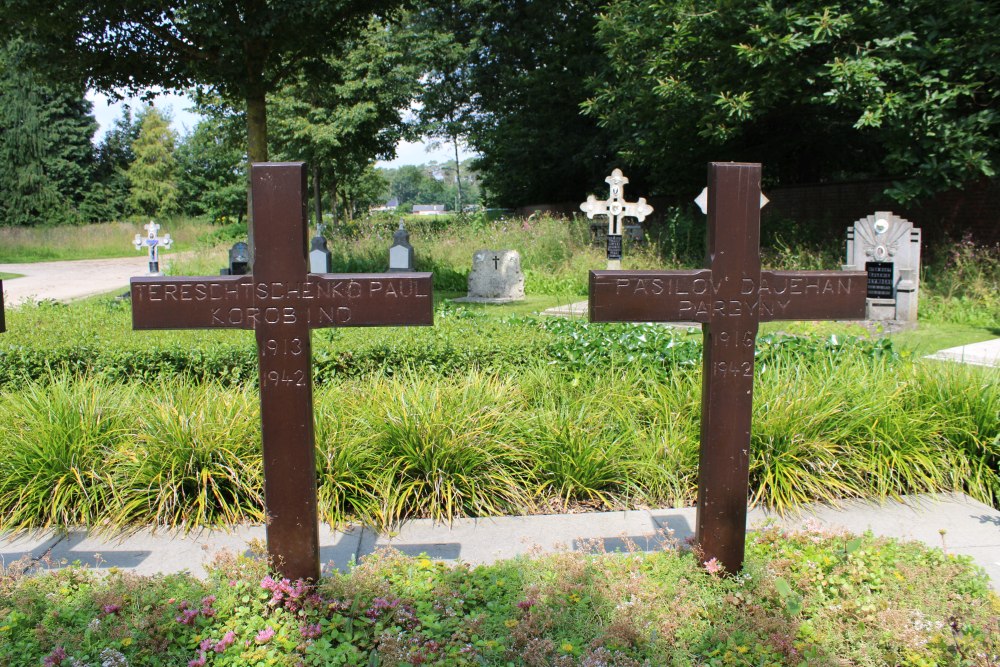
[317, 197]
[458, 173]
[333, 197]
[256, 148]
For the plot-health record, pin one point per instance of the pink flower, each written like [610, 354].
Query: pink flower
[56, 657]
[311, 631]
[713, 566]
[265, 635]
[227, 640]
[187, 616]
[109, 609]
[198, 662]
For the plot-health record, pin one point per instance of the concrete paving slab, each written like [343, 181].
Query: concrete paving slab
[986, 353]
[578, 309]
[477, 541]
[14, 546]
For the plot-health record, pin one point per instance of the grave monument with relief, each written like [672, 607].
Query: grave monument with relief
[887, 248]
[495, 277]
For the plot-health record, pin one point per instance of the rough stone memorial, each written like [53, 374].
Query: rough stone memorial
[887, 247]
[495, 277]
[281, 301]
[152, 242]
[729, 297]
[616, 208]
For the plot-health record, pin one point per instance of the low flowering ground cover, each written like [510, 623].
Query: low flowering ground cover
[805, 598]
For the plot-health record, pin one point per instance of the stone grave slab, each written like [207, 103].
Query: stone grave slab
[986, 353]
[282, 302]
[496, 277]
[729, 297]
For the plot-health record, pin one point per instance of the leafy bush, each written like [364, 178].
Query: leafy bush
[803, 598]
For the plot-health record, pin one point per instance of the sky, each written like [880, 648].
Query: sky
[183, 121]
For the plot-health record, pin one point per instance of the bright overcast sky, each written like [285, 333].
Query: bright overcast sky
[183, 121]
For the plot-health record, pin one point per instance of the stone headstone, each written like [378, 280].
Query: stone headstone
[496, 277]
[319, 255]
[887, 248]
[239, 260]
[401, 252]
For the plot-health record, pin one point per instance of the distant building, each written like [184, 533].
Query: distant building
[390, 205]
[428, 209]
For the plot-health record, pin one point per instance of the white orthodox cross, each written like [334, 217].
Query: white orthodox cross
[152, 242]
[615, 207]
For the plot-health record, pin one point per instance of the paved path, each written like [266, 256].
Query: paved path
[986, 353]
[952, 521]
[65, 281]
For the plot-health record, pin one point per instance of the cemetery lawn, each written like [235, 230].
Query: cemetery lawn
[808, 598]
[8, 276]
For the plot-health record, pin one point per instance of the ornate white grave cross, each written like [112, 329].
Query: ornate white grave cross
[153, 243]
[616, 208]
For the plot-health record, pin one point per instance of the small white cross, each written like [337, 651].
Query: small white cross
[615, 207]
[152, 242]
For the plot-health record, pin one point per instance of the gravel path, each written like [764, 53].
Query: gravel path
[64, 281]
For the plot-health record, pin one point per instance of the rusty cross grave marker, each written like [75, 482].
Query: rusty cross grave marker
[281, 302]
[730, 297]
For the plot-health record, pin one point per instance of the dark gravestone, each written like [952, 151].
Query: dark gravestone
[880, 280]
[730, 297]
[281, 301]
[239, 260]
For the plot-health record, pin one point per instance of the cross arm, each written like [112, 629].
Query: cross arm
[812, 295]
[371, 299]
[197, 302]
[650, 296]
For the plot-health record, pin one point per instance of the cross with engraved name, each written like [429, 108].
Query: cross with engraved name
[153, 243]
[281, 301]
[730, 297]
[616, 208]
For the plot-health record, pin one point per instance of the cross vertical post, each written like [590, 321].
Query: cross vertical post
[281, 301]
[285, 359]
[3, 323]
[727, 363]
[729, 298]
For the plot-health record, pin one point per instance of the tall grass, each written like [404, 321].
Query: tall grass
[79, 450]
[107, 239]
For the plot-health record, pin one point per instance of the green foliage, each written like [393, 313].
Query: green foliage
[804, 598]
[211, 173]
[813, 90]
[152, 175]
[46, 159]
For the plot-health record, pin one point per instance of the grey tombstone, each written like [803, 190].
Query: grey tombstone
[239, 260]
[495, 278]
[319, 255]
[401, 252]
[887, 247]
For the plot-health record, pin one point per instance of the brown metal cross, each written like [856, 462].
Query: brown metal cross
[281, 301]
[730, 297]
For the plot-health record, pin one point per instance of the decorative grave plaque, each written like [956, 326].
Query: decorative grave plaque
[888, 248]
[616, 208]
[152, 243]
[281, 302]
[495, 277]
[730, 297]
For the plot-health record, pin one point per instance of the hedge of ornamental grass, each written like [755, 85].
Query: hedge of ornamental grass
[829, 422]
[803, 599]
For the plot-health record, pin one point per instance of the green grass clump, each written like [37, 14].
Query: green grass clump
[803, 598]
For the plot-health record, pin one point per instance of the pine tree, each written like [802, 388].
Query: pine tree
[152, 174]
